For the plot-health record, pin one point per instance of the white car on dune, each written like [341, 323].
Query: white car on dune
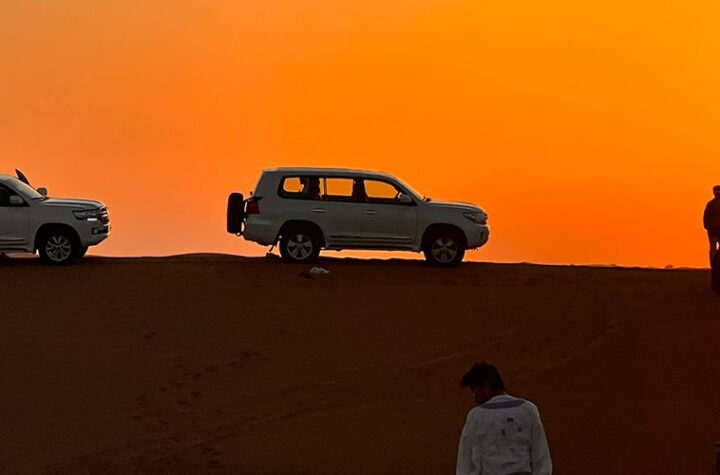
[60, 229]
[309, 209]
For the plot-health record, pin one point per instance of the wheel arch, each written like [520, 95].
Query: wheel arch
[302, 223]
[42, 230]
[443, 227]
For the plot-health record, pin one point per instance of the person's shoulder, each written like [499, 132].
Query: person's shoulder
[532, 408]
[474, 418]
[475, 412]
[528, 402]
[522, 403]
[479, 413]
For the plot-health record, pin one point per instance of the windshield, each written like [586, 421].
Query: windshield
[410, 189]
[27, 190]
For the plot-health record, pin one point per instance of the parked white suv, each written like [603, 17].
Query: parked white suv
[308, 209]
[60, 229]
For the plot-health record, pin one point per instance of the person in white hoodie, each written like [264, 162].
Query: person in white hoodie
[503, 435]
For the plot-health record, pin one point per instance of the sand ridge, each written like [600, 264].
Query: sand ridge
[222, 364]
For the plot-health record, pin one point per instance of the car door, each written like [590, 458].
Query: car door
[298, 195]
[14, 220]
[387, 221]
[339, 211]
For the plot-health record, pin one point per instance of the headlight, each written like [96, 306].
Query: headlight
[476, 216]
[90, 215]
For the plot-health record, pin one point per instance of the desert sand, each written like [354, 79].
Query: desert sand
[222, 364]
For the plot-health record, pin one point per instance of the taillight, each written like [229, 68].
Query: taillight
[252, 207]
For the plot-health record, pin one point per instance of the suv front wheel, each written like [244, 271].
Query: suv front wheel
[444, 248]
[299, 245]
[59, 247]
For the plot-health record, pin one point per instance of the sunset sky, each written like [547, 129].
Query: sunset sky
[589, 131]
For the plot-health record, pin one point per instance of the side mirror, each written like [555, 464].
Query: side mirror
[15, 200]
[42, 191]
[405, 199]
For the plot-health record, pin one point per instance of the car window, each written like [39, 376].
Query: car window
[300, 187]
[292, 185]
[377, 191]
[5, 194]
[337, 189]
[28, 190]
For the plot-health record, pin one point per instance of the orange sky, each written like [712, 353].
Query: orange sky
[587, 130]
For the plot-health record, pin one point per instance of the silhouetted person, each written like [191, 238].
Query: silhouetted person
[503, 435]
[314, 189]
[711, 221]
[310, 188]
[304, 185]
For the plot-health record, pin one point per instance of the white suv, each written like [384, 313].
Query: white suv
[60, 229]
[307, 209]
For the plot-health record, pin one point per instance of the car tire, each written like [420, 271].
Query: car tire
[444, 248]
[299, 245]
[59, 247]
[82, 251]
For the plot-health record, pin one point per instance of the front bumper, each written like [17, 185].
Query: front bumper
[95, 233]
[478, 236]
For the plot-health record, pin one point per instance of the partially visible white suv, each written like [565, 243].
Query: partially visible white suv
[308, 209]
[60, 229]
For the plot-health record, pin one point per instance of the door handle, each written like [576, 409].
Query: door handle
[371, 212]
[318, 210]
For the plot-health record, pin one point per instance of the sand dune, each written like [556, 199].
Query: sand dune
[220, 364]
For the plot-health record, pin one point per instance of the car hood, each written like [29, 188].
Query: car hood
[454, 204]
[72, 203]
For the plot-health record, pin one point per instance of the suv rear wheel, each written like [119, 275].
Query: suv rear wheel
[59, 247]
[299, 245]
[444, 248]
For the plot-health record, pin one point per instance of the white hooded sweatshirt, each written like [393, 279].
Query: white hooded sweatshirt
[504, 436]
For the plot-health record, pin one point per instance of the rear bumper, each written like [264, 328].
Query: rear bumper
[478, 236]
[261, 231]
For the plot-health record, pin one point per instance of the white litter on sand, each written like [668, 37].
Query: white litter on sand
[318, 270]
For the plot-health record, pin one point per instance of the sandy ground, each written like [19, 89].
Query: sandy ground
[220, 364]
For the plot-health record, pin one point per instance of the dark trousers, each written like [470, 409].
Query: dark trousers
[714, 238]
[715, 279]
